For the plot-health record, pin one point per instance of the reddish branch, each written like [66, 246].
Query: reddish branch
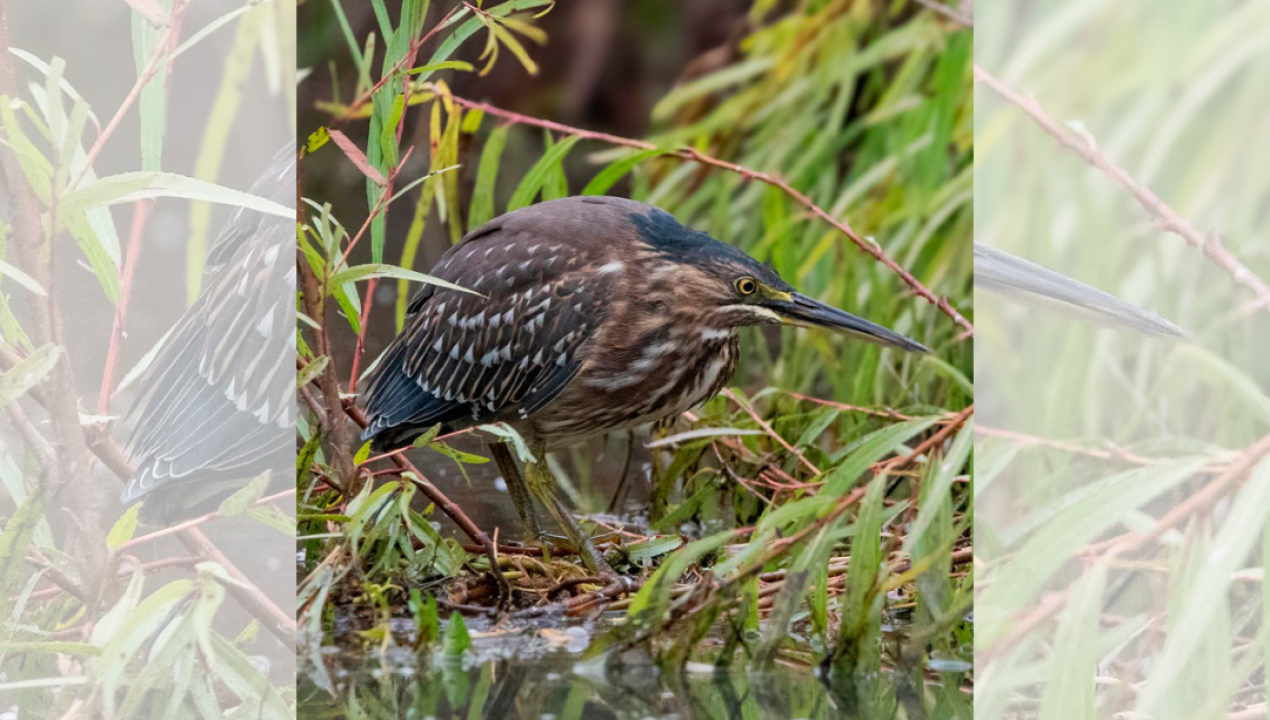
[200, 520]
[1210, 244]
[1131, 542]
[140, 212]
[687, 153]
[1035, 441]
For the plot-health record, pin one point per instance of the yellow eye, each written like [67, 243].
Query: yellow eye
[746, 286]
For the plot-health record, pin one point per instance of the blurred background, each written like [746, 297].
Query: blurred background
[1089, 439]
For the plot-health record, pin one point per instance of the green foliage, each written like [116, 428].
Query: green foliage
[808, 526]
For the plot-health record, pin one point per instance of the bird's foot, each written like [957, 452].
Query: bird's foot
[553, 545]
[594, 560]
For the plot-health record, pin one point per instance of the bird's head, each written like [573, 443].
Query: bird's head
[724, 288]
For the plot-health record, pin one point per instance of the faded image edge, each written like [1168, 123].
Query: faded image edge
[1123, 289]
[146, 359]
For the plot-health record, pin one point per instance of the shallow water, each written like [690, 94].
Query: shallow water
[543, 671]
[547, 672]
[559, 685]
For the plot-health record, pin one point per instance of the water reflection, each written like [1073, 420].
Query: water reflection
[561, 686]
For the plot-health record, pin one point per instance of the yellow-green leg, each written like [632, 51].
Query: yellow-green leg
[516, 487]
[543, 486]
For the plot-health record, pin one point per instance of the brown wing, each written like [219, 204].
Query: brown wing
[465, 360]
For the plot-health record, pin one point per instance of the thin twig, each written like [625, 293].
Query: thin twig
[768, 429]
[1210, 244]
[151, 68]
[200, 520]
[140, 212]
[688, 153]
[351, 109]
[1035, 441]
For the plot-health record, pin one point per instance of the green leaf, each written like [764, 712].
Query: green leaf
[1210, 588]
[1069, 689]
[133, 186]
[1240, 387]
[272, 517]
[472, 25]
[940, 489]
[447, 65]
[727, 77]
[654, 547]
[427, 437]
[311, 371]
[388, 136]
[862, 576]
[46, 70]
[145, 42]
[206, 30]
[124, 528]
[246, 496]
[362, 453]
[353, 48]
[511, 43]
[1109, 502]
[608, 177]
[15, 538]
[427, 619]
[458, 456]
[656, 592]
[129, 624]
[873, 448]
[27, 373]
[100, 248]
[481, 210]
[214, 143]
[357, 273]
[472, 121]
[317, 139]
[556, 184]
[237, 672]
[537, 175]
[456, 638]
[20, 278]
[418, 223]
[509, 434]
[50, 646]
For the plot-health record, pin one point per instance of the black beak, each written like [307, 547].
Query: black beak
[1030, 284]
[812, 313]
